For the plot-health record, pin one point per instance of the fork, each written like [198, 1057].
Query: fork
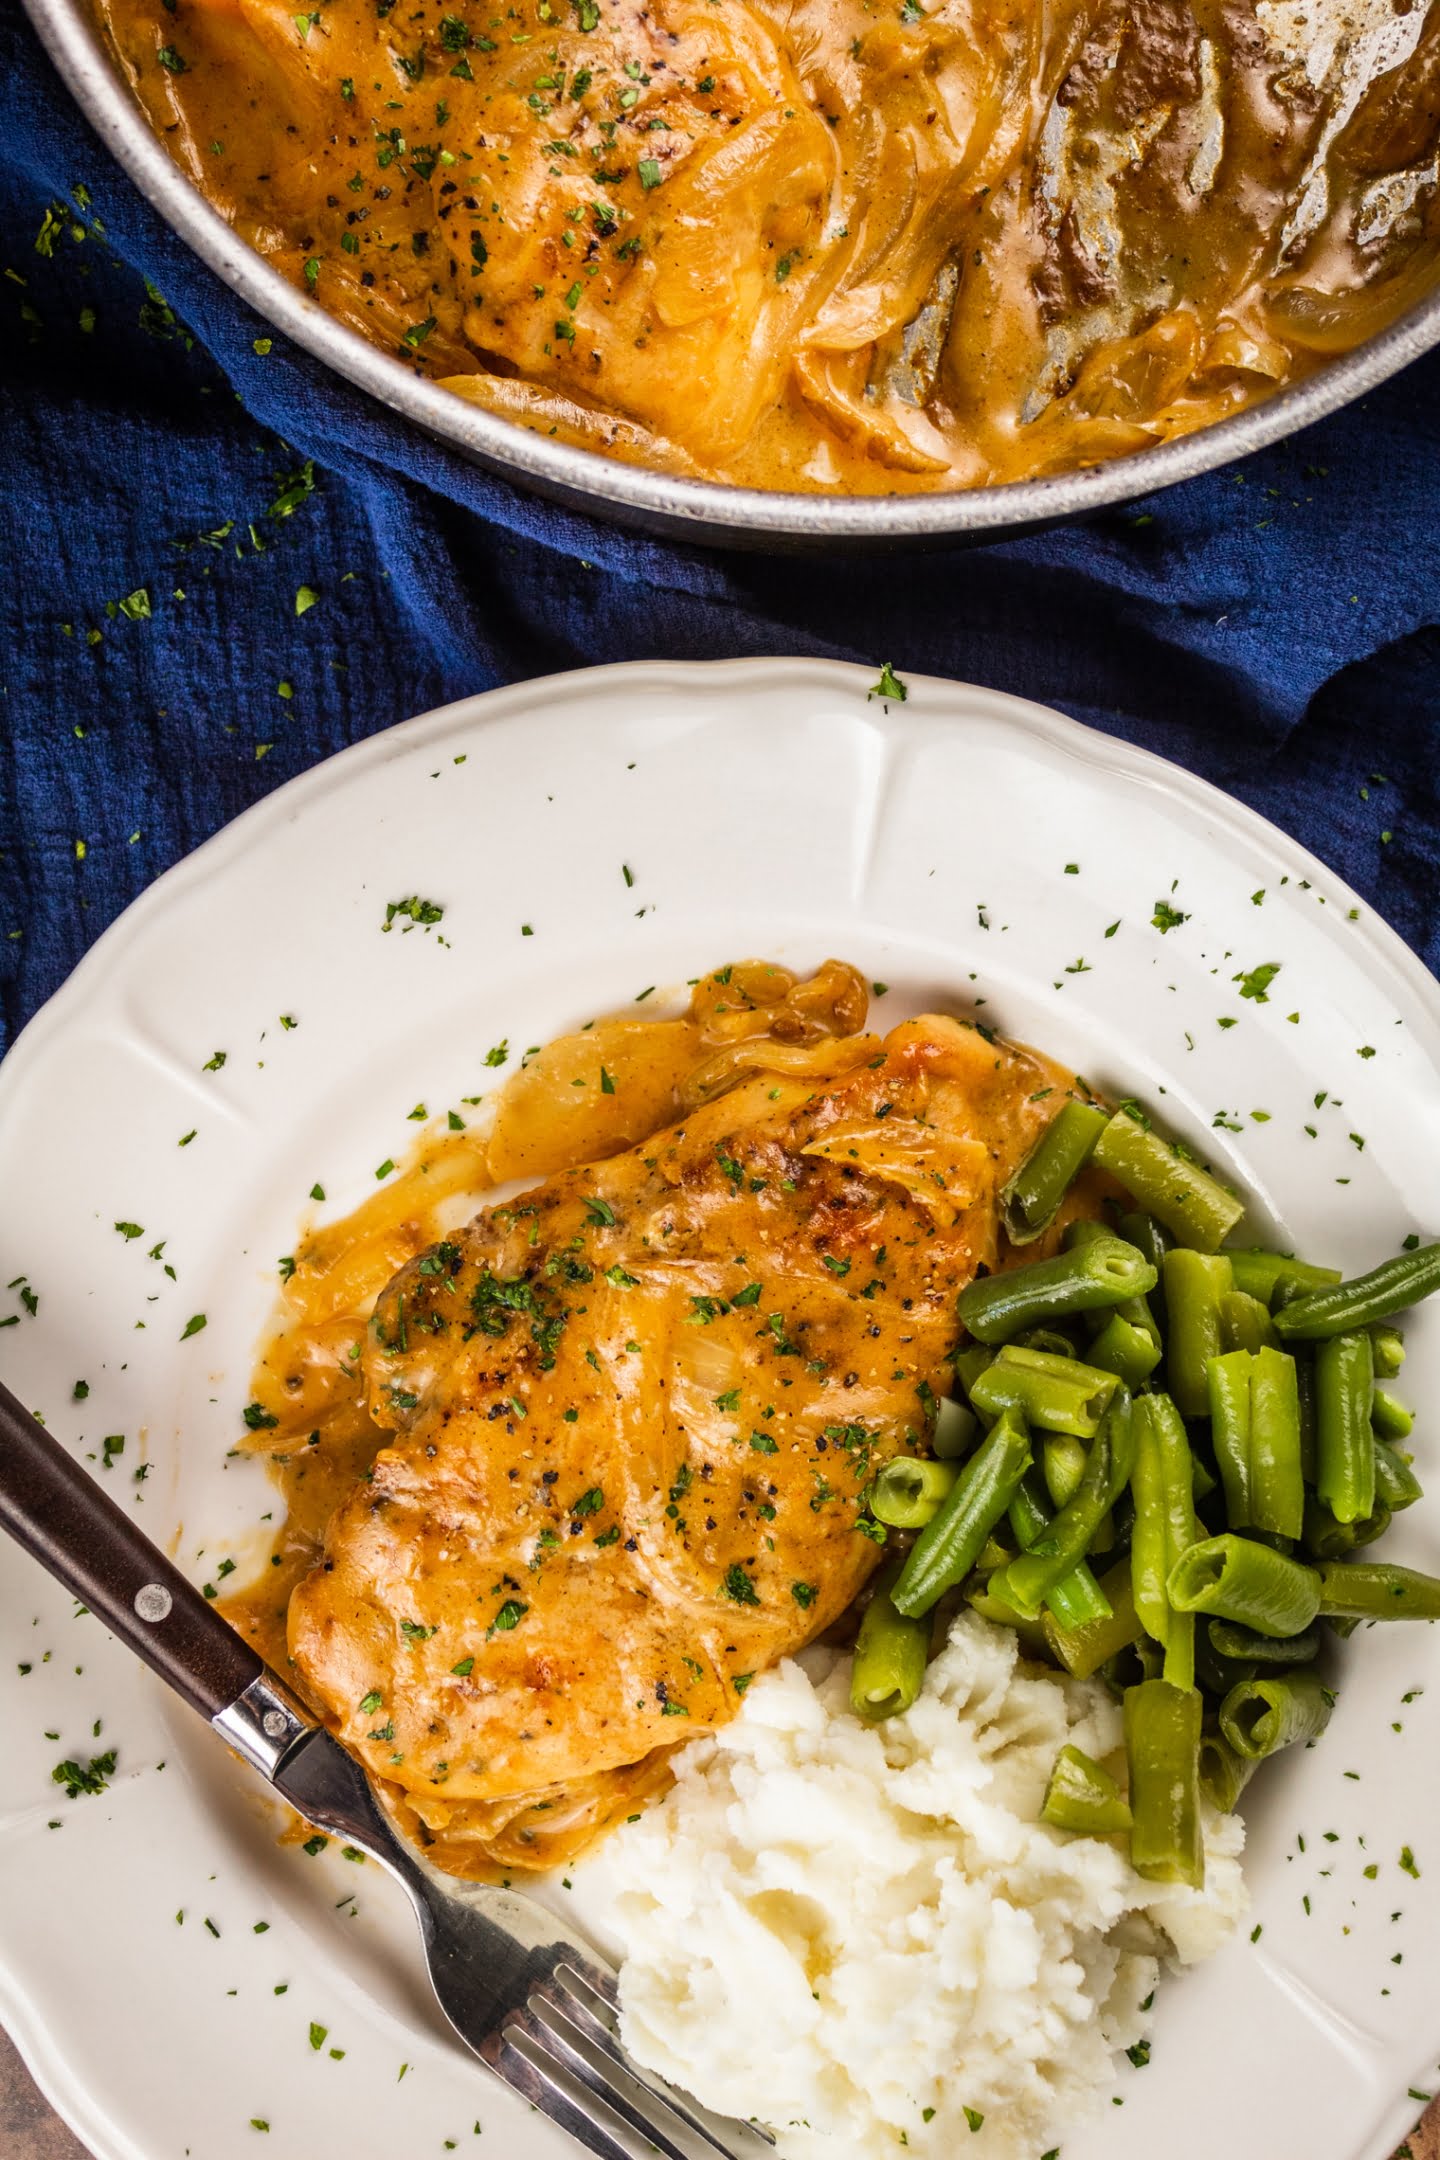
[535, 2001]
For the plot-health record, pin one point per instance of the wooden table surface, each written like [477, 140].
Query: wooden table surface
[29, 2130]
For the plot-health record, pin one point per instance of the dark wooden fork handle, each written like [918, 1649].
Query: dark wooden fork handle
[58, 1512]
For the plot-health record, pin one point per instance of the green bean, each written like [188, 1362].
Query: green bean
[1276, 1711]
[1029, 1201]
[1077, 1599]
[1204, 1481]
[1177, 1473]
[1261, 1274]
[1223, 1774]
[1305, 1388]
[995, 1307]
[1136, 1310]
[1217, 1674]
[1376, 1590]
[1389, 1350]
[1229, 1640]
[1234, 1578]
[1142, 1230]
[1030, 1577]
[1228, 1385]
[1326, 1539]
[1194, 1286]
[1128, 1351]
[950, 1544]
[1245, 1324]
[956, 1430]
[1345, 1450]
[1057, 1393]
[1047, 1338]
[970, 1362]
[1392, 1419]
[1162, 1745]
[1083, 1797]
[1193, 1206]
[1063, 1462]
[1277, 1479]
[888, 1670]
[1149, 1542]
[1395, 1482]
[1390, 1288]
[909, 1492]
[1029, 1633]
[1083, 1650]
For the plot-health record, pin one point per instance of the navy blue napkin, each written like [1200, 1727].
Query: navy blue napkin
[220, 564]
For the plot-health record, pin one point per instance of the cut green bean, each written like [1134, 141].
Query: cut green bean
[1217, 1674]
[1057, 1393]
[1029, 1202]
[1223, 1774]
[1062, 1462]
[1194, 1285]
[1083, 1797]
[1193, 1206]
[1077, 1599]
[956, 1430]
[1031, 1576]
[1277, 1478]
[1396, 1484]
[1392, 1419]
[1389, 1350]
[1245, 1324]
[909, 1492]
[1030, 1634]
[1142, 1230]
[1149, 1540]
[970, 1361]
[1228, 1385]
[1305, 1388]
[951, 1543]
[1235, 1578]
[1243, 1644]
[1377, 1590]
[1326, 1539]
[1392, 1287]
[1083, 1650]
[1162, 1745]
[888, 1670]
[1049, 1339]
[1130, 1352]
[995, 1307]
[1263, 1274]
[1177, 1474]
[1344, 1445]
[1277, 1710]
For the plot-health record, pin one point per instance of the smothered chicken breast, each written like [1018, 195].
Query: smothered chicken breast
[634, 1414]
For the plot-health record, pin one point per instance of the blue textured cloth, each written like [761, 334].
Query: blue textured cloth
[1273, 626]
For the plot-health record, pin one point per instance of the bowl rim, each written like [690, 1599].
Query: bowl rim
[704, 511]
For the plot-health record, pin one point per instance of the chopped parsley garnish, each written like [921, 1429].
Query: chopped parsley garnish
[257, 1417]
[738, 1587]
[421, 912]
[1166, 917]
[192, 1326]
[1256, 982]
[93, 1779]
[889, 685]
[511, 1613]
[803, 1594]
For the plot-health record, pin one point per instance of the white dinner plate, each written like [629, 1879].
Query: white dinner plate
[166, 1964]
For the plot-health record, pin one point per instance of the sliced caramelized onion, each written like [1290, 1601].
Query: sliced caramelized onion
[760, 1054]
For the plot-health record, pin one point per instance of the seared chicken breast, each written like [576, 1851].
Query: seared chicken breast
[634, 1414]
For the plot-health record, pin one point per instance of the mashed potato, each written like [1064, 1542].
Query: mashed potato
[864, 1937]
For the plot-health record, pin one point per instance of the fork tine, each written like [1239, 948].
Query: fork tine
[557, 2080]
[586, 2008]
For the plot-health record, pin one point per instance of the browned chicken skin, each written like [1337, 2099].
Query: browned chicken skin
[635, 1413]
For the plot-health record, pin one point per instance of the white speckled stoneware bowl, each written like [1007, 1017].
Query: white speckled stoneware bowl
[162, 1957]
